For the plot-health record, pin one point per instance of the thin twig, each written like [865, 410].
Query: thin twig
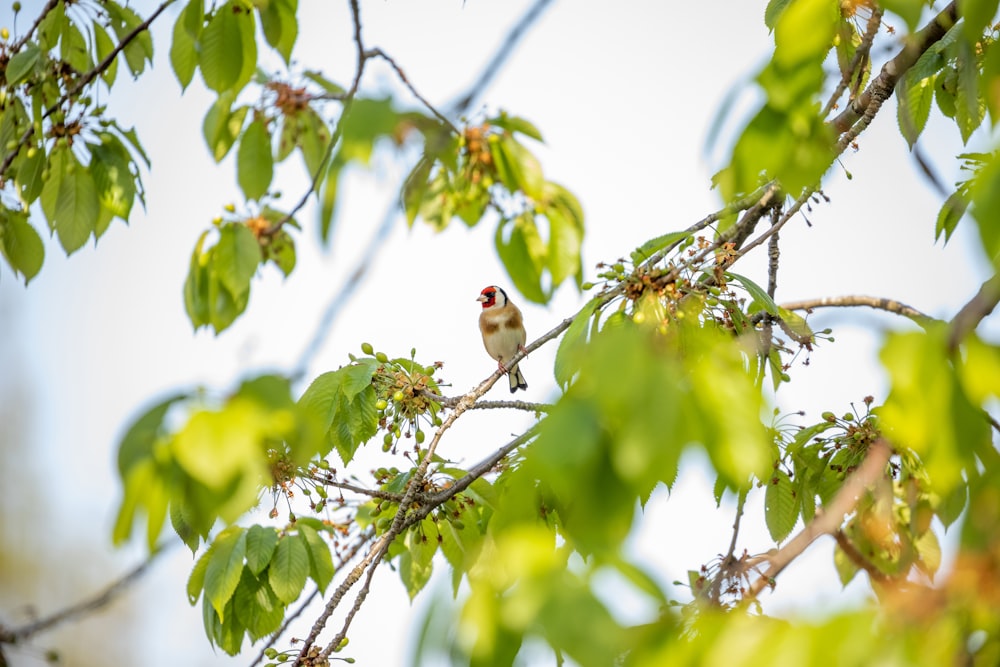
[413, 91]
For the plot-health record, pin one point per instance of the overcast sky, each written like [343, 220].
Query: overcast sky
[624, 94]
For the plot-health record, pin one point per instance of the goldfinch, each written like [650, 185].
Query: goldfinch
[503, 332]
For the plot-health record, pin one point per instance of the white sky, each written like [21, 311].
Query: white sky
[624, 94]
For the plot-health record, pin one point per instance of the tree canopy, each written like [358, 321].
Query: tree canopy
[292, 488]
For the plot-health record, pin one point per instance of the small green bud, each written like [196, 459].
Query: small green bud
[382, 358]
[367, 348]
[387, 440]
[381, 404]
[829, 416]
[398, 396]
[420, 436]
[587, 286]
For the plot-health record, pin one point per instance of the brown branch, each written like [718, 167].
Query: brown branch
[893, 70]
[855, 300]
[363, 539]
[84, 80]
[101, 599]
[857, 558]
[452, 401]
[828, 521]
[974, 312]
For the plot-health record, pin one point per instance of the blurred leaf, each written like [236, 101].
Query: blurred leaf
[515, 124]
[22, 64]
[254, 164]
[926, 409]
[978, 14]
[221, 48]
[773, 11]
[279, 24]
[523, 255]
[952, 210]
[20, 244]
[237, 255]
[846, 568]
[222, 125]
[908, 10]
[970, 109]
[183, 45]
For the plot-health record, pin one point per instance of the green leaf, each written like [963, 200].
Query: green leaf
[653, 246]
[196, 580]
[523, 255]
[914, 96]
[573, 346]
[225, 566]
[21, 64]
[69, 199]
[29, 174]
[804, 31]
[773, 11]
[113, 178]
[908, 10]
[978, 14]
[261, 541]
[846, 568]
[256, 606]
[781, 509]
[760, 297]
[125, 21]
[289, 568]
[320, 559]
[20, 244]
[221, 55]
[952, 210]
[254, 164]
[515, 124]
[183, 47]
[970, 109]
[237, 255]
[928, 553]
[415, 568]
[222, 125]
[277, 19]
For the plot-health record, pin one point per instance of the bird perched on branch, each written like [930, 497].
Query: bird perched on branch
[502, 327]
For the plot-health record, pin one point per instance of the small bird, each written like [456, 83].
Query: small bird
[503, 332]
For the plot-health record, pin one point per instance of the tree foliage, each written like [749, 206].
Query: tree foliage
[674, 351]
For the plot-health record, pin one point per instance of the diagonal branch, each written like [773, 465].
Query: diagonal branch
[829, 520]
[974, 312]
[83, 80]
[95, 602]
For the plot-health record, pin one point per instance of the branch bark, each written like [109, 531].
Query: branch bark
[828, 522]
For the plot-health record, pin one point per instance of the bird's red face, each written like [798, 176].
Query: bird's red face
[488, 297]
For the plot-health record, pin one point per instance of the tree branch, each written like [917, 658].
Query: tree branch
[84, 80]
[883, 85]
[855, 300]
[461, 105]
[974, 312]
[95, 602]
[829, 520]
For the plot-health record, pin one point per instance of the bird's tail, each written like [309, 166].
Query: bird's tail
[516, 380]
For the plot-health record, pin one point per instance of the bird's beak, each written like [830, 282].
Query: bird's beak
[481, 298]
